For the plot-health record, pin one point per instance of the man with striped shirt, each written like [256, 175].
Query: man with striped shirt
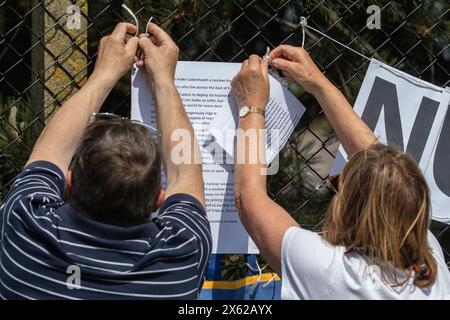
[76, 223]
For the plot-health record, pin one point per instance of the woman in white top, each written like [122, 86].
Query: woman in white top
[375, 242]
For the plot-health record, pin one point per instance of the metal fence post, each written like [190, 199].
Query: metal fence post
[65, 57]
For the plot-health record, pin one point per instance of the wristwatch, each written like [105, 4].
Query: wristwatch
[245, 110]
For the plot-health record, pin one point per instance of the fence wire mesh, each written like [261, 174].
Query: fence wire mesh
[47, 53]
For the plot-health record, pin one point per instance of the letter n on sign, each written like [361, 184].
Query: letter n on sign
[411, 114]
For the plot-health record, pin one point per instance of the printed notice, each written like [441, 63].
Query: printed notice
[205, 90]
[283, 112]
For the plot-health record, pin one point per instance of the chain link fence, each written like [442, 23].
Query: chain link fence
[48, 48]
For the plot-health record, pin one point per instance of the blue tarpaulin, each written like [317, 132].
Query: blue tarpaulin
[256, 286]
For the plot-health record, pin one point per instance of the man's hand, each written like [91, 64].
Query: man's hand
[251, 84]
[116, 54]
[297, 64]
[60, 138]
[160, 55]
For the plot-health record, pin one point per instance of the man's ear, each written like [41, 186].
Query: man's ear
[69, 181]
[160, 198]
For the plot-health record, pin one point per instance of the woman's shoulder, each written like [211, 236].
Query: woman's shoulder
[306, 249]
[435, 247]
[309, 241]
[310, 265]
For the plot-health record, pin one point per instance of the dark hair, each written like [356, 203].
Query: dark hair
[116, 173]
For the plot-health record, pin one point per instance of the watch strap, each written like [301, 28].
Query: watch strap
[257, 110]
[246, 110]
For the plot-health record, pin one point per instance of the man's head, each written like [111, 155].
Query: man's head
[115, 175]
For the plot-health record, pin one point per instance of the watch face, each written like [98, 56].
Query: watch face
[244, 111]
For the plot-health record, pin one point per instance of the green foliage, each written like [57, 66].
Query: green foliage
[16, 137]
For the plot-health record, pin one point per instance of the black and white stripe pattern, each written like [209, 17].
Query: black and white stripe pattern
[41, 237]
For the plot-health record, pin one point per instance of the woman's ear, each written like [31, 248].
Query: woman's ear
[69, 181]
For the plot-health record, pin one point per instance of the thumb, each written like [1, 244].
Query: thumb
[265, 68]
[132, 45]
[284, 65]
[146, 45]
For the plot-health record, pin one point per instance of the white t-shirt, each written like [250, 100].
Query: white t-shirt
[314, 269]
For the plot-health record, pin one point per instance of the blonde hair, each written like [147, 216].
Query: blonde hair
[382, 208]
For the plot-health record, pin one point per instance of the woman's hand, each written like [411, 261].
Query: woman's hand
[251, 84]
[297, 64]
[116, 54]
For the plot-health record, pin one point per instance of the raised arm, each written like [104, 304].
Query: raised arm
[59, 139]
[296, 63]
[183, 169]
[264, 220]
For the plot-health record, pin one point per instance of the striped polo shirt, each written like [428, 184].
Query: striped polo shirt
[51, 251]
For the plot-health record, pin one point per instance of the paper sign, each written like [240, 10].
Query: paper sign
[409, 113]
[205, 90]
[437, 173]
[283, 112]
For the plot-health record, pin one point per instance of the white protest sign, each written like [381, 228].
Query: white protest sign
[437, 173]
[205, 89]
[409, 113]
[283, 112]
